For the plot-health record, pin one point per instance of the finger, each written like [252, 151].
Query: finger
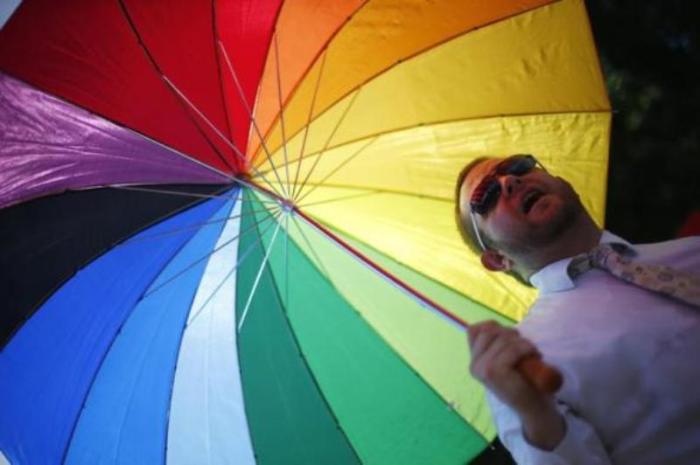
[509, 356]
[496, 372]
[488, 326]
[485, 365]
[475, 329]
[499, 342]
[487, 335]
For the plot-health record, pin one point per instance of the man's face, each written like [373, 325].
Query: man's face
[532, 210]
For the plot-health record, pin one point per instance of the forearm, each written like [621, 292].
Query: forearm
[579, 445]
[543, 428]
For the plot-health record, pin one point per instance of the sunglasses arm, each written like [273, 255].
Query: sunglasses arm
[476, 230]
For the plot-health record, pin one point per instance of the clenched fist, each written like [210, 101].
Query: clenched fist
[496, 351]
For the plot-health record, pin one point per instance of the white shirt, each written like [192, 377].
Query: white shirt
[630, 359]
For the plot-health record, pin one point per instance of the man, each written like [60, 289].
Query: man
[628, 355]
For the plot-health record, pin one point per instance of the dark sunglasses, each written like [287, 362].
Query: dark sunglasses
[486, 194]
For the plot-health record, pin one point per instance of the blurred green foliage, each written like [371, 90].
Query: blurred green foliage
[650, 58]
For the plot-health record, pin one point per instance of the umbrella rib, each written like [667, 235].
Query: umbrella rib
[106, 352]
[274, 198]
[186, 228]
[335, 128]
[369, 263]
[398, 354]
[308, 124]
[339, 231]
[425, 124]
[279, 100]
[102, 360]
[281, 201]
[418, 52]
[215, 38]
[153, 62]
[239, 262]
[340, 199]
[120, 125]
[286, 258]
[395, 281]
[269, 195]
[44, 297]
[295, 337]
[258, 276]
[216, 130]
[381, 191]
[199, 260]
[337, 168]
[189, 103]
[324, 270]
[229, 65]
[170, 192]
[328, 140]
[384, 191]
[180, 193]
[309, 67]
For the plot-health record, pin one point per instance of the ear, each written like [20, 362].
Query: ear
[494, 261]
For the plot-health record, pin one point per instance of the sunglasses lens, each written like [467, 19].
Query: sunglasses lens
[486, 196]
[517, 165]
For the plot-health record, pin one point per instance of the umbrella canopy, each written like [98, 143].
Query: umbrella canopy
[227, 227]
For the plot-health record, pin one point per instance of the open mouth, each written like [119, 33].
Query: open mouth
[530, 199]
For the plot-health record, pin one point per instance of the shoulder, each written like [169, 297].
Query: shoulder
[681, 253]
[690, 242]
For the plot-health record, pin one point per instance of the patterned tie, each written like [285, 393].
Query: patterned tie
[658, 278]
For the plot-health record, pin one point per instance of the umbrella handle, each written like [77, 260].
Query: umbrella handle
[545, 378]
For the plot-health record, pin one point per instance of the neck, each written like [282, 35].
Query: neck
[581, 237]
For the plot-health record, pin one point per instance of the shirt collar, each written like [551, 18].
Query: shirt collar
[555, 277]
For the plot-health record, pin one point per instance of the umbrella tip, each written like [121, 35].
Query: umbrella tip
[287, 205]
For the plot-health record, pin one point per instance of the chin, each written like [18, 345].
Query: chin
[554, 220]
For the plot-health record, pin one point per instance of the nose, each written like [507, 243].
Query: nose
[510, 184]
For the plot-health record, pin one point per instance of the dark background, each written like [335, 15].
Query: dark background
[651, 63]
[650, 59]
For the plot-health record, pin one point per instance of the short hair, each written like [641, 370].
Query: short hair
[461, 218]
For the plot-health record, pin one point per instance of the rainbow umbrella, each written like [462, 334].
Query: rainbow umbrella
[227, 227]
